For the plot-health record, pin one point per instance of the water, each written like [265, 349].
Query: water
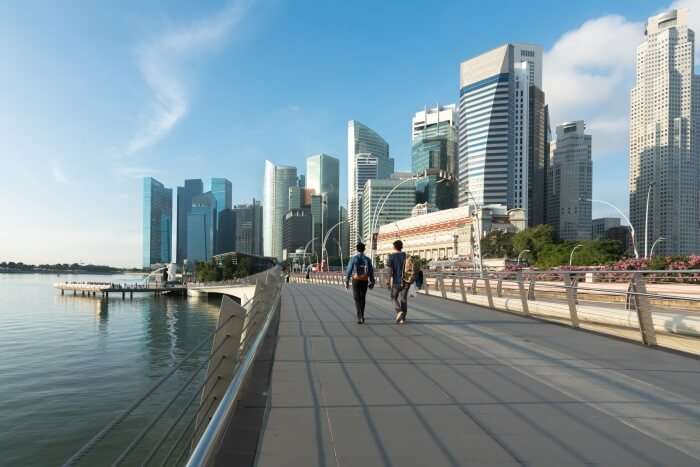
[70, 364]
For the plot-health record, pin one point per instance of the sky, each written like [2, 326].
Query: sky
[96, 95]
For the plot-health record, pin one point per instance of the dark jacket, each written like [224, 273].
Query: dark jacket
[395, 263]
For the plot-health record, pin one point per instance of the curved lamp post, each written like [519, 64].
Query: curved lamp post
[305, 248]
[571, 256]
[521, 255]
[634, 240]
[325, 239]
[660, 239]
[375, 219]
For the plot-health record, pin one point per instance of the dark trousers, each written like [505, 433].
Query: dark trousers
[359, 293]
[399, 297]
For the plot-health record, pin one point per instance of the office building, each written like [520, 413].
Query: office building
[185, 195]
[297, 230]
[601, 226]
[434, 156]
[346, 249]
[621, 234]
[323, 177]
[226, 231]
[157, 222]
[570, 171]
[664, 132]
[396, 207]
[502, 129]
[248, 228]
[364, 141]
[201, 229]
[278, 179]
[318, 212]
[221, 189]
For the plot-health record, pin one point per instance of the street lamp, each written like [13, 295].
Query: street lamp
[521, 254]
[634, 240]
[305, 248]
[571, 256]
[477, 243]
[375, 219]
[660, 239]
[646, 222]
[325, 239]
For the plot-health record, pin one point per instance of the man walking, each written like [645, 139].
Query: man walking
[401, 277]
[362, 273]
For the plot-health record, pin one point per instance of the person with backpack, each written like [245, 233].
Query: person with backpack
[401, 276]
[362, 273]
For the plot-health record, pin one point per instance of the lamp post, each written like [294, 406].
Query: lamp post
[660, 239]
[477, 243]
[646, 222]
[305, 248]
[634, 240]
[375, 219]
[325, 239]
[521, 254]
[571, 256]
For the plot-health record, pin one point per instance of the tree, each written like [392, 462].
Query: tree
[497, 244]
[244, 267]
[533, 239]
[229, 269]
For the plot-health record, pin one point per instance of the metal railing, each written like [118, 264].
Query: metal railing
[657, 308]
[176, 424]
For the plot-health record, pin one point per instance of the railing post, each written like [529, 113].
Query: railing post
[474, 284]
[531, 290]
[461, 289]
[499, 287]
[232, 314]
[571, 282]
[523, 293]
[443, 292]
[454, 284]
[426, 286]
[641, 304]
[489, 295]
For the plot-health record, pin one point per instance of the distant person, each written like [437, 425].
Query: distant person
[418, 284]
[401, 276]
[362, 273]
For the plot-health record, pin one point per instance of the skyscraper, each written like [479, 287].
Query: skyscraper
[363, 140]
[571, 170]
[201, 228]
[221, 189]
[501, 108]
[157, 222]
[248, 228]
[278, 179]
[664, 132]
[323, 177]
[185, 194]
[434, 156]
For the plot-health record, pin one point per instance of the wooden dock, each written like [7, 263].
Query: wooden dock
[103, 289]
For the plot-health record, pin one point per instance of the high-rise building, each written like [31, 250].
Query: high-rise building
[323, 177]
[501, 108]
[157, 222]
[434, 156]
[278, 179]
[201, 229]
[664, 132]
[398, 206]
[363, 140]
[221, 189]
[248, 228]
[345, 248]
[226, 231]
[297, 230]
[601, 225]
[571, 174]
[185, 195]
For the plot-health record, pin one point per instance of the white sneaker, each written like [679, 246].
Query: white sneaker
[398, 316]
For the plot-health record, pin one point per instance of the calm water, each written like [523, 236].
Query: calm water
[69, 365]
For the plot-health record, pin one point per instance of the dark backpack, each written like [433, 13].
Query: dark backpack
[362, 268]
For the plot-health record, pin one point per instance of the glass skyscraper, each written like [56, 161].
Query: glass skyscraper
[201, 228]
[185, 195]
[157, 222]
[248, 228]
[363, 140]
[278, 179]
[323, 177]
[221, 189]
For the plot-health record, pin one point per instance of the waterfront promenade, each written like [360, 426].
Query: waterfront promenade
[465, 385]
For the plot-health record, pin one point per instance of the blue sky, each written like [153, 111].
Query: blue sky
[95, 95]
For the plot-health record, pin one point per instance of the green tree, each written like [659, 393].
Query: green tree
[497, 244]
[228, 268]
[244, 267]
[534, 239]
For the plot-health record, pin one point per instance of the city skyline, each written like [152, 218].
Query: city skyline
[104, 149]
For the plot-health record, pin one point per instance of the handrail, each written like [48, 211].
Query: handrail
[206, 447]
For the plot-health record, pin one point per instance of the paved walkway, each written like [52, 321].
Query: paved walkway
[462, 385]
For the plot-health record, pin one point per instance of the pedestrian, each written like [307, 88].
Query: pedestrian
[362, 273]
[419, 280]
[401, 276]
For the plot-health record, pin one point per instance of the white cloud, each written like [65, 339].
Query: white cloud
[58, 173]
[161, 62]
